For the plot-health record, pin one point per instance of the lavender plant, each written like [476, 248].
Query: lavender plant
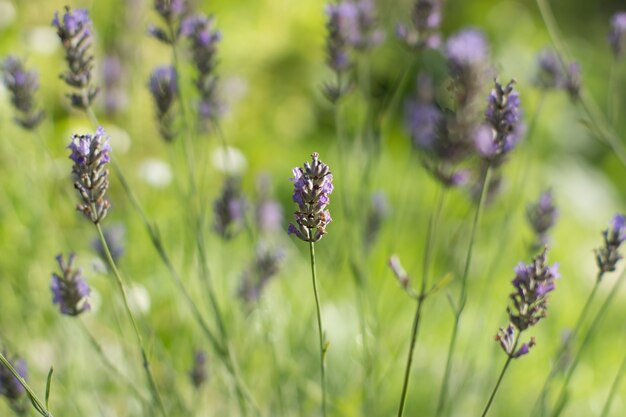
[74, 30]
[22, 84]
[13, 386]
[533, 283]
[313, 185]
[164, 90]
[542, 216]
[426, 21]
[69, 289]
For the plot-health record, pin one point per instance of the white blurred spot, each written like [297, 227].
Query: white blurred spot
[42, 40]
[7, 13]
[95, 299]
[155, 172]
[138, 298]
[119, 139]
[229, 160]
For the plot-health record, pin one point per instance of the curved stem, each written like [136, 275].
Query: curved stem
[421, 298]
[156, 395]
[462, 300]
[613, 391]
[559, 355]
[504, 368]
[562, 400]
[37, 403]
[320, 328]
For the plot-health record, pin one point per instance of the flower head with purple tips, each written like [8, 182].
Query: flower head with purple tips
[69, 289]
[74, 31]
[550, 71]
[230, 209]
[608, 255]
[313, 185]
[426, 19]
[199, 374]
[22, 84]
[542, 216]
[533, 283]
[90, 154]
[164, 89]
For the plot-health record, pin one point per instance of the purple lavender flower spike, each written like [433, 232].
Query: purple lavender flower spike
[573, 81]
[199, 373]
[542, 217]
[74, 30]
[608, 256]
[532, 283]
[204, 40]
[264, 267]
[268, 211]
[550, 72]
[10, 387]
[230, 209]
[22, 84]
[172, 12]
[69, 289]
[313, 185]
[503, 117]
[617, 34]
[90, 154]
[164, 89]
[426, 19]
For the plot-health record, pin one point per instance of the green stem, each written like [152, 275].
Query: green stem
[562, 400]
[559, 355]
[420, 299]
[37, 403]
[613, 391]
[108, 363]
[486, 177]
[320, 330]
[156, 395]
[504, 368]
[613, 94]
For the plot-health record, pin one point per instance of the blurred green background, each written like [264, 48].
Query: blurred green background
[272, 67]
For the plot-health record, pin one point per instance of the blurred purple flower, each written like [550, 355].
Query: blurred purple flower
[313, 185]
[268, 212]
[10, 387]
[266, 264]
[230, 209]
[608, 256]
[199, 373]
[22, 84]
[466, 50]
[542, 216]
[69, 289]
[164, 88]
[115, 98]
[550, 72]
[573, 81]
[377, 212]
[426, 19]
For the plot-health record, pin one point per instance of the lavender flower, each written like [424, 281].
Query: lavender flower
[424, 122]
[204, 39]
[172, 11]
[69, 289]
[90, 154]
[199, 373]
[10, 387]
[542, 216]
[533, 283]
[399, 272]
[467, 53]
[164, 88]
[22, 84]
[426, 18]
[617, 35]
[255, 278]
[230, 209]
[313, 185]
[74, 30]
[502, 131]
[114, 236]
[608, 255]
[550, 72]
[573, 81]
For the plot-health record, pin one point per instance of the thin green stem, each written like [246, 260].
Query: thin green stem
[613, 94]
[156, 395]
[504, 368]
[37, 403]
[421, 298]
[613, 391]
[108, 363]
[320, 330]
[462, 300]
[559, 355]
[562, 398]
